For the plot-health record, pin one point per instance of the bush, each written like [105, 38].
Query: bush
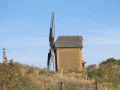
[108, 72]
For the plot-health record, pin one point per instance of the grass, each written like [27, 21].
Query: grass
[23, 77]
[107, 74]
[29, 87]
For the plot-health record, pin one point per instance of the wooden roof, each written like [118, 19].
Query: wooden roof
[69, 42]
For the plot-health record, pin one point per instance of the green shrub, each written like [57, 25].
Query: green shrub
[29, 87]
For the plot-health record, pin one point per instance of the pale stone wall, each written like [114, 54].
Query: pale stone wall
[69, 59]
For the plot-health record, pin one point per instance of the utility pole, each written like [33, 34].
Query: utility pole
[4, 56]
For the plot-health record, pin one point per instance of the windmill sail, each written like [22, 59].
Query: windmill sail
[51, 55]
[52, 30]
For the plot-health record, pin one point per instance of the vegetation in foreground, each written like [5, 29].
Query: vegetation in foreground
[15, 76]
[107, 73]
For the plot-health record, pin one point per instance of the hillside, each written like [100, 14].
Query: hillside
[107, 73]
[15, 76]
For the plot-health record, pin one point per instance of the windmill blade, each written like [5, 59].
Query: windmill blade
[52, 58]
[51, 42]
[48, 61]
[52, 30]
[51, 39]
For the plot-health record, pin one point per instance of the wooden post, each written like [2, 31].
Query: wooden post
[47, 88]
[96, 85]
[45, 85]
[61, 85]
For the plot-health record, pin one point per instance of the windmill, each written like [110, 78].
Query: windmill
[51, 54]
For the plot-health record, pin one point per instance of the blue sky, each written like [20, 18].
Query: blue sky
[24, 28]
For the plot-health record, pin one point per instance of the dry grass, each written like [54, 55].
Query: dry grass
[20, 77]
